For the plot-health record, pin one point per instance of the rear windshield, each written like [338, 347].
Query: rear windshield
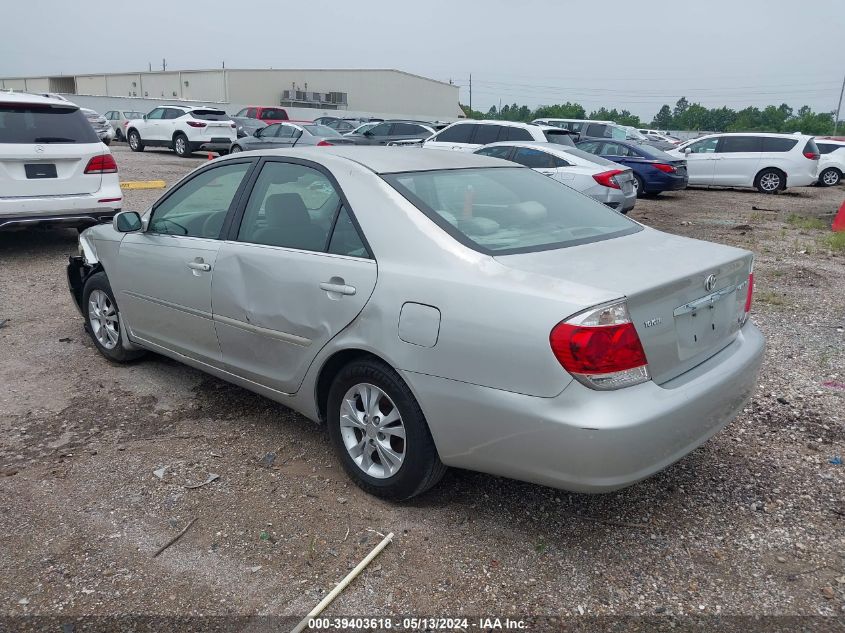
[210, 115]
[26, 124]
[652, 152]
[321, 130]
[501, 211]
[561, 138]
[274, 113]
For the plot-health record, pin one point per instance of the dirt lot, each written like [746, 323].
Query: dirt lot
[753, 522]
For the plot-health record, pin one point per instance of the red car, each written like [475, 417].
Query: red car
[268, 114]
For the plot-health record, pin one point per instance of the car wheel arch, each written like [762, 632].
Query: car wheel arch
[771, 168]
[329, 370]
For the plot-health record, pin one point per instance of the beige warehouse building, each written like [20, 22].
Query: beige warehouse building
[376, 91]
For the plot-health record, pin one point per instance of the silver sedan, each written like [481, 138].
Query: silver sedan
[433, 309]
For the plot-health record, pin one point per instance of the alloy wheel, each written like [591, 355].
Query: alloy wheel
[770, 181]
[180, 145]
[372, 431]
[133, 141]
[830, 177]
[102, 315]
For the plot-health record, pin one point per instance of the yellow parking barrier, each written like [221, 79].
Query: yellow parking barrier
[143, 184]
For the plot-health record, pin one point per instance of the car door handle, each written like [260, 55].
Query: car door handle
[341, 289]
[199, 265]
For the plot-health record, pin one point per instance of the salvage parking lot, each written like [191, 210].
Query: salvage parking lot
[750, 523]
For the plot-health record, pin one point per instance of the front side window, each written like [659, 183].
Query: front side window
[826, 148]
[199, 207]
[707, 146]
[156, 114]
[291, 206]
[458, 133]
[271, 130]
[598, 130]
[736, 144]
[505, 210]
[486, 134]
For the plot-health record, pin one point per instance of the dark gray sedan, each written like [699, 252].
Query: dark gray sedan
[283, 135]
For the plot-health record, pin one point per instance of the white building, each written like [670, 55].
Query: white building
[385, 92]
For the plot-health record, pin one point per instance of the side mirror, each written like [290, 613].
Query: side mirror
[127, 222]
[257, 132]
[145, 117]
[687, 150]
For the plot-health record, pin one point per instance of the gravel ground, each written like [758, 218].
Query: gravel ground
[750, 523]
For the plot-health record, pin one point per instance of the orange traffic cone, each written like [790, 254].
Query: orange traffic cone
[839, 220]
[210, 156]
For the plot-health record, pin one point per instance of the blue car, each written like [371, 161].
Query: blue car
[654, 170]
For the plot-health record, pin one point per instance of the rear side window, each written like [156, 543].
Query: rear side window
[210, 115]
[24, 124]
[292, 206]
[617, 149]
[517, 134]
[533, 158]
[774, 144]
[485, 134]
[598, 130]
[500, 151]
[506, 210]
[345, 238]
[409, 129]
[274, 113]
[827, 148]
[590, 146]
[172, 113]
[459, 133]
[735, 144]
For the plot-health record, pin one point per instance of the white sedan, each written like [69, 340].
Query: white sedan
[604, 181]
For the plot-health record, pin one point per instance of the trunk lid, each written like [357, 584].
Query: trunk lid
[50, 169]
[682, 315]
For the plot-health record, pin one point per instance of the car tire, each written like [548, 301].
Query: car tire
[770, 181]
[118, 135]
[396, 456]
[222, 152]
[135, 143]
[181, 145]
[106, 141]
[102, 319]
[830, 177]
[639, 186]
[235, 149]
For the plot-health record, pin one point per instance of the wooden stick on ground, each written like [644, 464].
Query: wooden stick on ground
[175, 538]
[342, 585]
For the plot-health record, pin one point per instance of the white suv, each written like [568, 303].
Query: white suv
[183, 129]
[767, 162]
[469, 135]
[832, 161]
[53, 168]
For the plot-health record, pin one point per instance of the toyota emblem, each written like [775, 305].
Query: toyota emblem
[709, 282]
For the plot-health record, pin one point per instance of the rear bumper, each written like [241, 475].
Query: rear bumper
[585, 440]
[78, 210]
[215, 144]
[801, 180]
[667, 182]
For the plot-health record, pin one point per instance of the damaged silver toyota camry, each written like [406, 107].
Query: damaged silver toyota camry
[433, 309]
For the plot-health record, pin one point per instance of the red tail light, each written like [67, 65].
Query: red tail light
[812, 155]
[606, 178]
[324, 144]
[102, 164]
[196, 123]
[601, 348]
[668, 169]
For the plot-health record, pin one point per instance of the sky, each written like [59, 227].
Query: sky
[628, 55]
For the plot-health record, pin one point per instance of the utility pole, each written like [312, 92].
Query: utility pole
[163, 64]
[838, 107]
[151, 66]
[470, 93]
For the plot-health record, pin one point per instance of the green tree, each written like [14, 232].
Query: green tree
[680, 107]
[663, 119]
